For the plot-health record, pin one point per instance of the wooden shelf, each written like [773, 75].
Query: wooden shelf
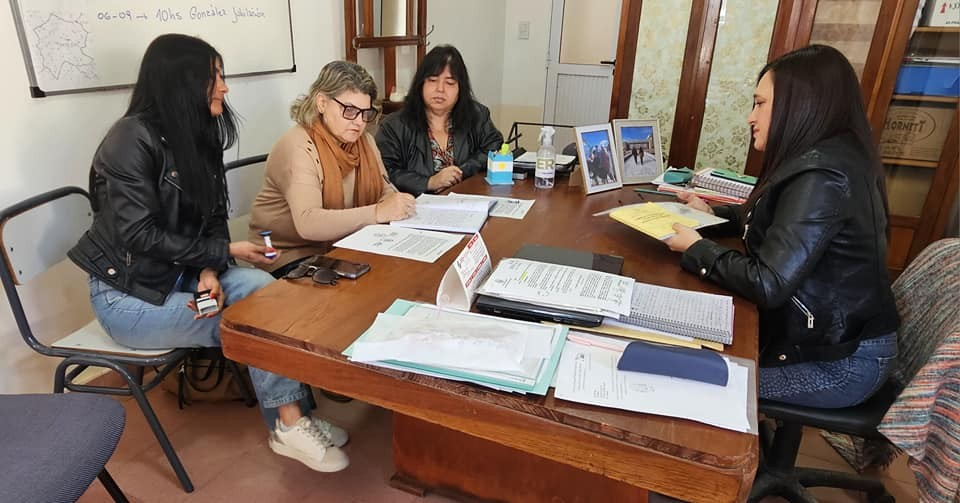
[910, 162]
[938, 29]
[923, 97]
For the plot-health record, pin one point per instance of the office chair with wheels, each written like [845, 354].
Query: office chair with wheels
[926, 295]
[55, 445]
[35, 235]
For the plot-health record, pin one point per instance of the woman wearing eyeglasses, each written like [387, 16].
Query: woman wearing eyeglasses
[324, 178]
[443, 134]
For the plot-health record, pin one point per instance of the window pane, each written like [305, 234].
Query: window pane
[656, 73]
[847, 25]
[590, 30]
[743, 41]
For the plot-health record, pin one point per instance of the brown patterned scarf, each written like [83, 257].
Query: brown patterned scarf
[337, 159]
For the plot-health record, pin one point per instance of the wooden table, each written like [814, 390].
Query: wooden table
[463, 439]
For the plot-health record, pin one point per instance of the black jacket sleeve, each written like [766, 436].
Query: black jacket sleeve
[484, 137]
[397, 147]
[808, 213]
[132, 166]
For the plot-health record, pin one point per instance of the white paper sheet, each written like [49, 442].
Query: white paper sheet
[506, 207]
[588, 374]
[469, 270]
[560, 286]
[414, 244]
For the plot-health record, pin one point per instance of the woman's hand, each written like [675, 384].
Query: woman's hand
[683, 239]
[396, 206]
[693, 201]
[446, 177]
[209, 281]
[251, 252]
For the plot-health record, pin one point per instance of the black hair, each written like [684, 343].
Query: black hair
[464, 113]
[177, 76]
[816, 95]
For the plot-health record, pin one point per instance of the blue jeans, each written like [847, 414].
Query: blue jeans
[138, 324]
[830, 385]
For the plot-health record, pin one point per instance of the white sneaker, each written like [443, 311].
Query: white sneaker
[306, 443]
[335, 434]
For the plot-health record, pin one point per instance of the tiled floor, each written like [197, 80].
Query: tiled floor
[224, 448]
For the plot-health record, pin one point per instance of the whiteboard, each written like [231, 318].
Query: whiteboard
[86, 45]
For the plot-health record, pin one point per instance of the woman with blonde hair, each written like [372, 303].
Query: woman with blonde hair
[324, 178]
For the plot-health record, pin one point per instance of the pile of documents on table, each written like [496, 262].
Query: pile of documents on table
[507, 355]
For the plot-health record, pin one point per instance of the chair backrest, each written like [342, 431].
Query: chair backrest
[927, 295]
[242, 187]
[37, 232]
[35, 235]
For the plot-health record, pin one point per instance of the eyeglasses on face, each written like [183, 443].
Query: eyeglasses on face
[321, 275]
[351, 112]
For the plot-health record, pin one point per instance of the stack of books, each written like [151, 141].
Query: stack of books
[726, 182]
[507, 355]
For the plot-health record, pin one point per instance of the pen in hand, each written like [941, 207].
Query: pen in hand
[389, 183]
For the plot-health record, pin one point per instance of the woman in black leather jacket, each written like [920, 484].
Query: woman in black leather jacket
[159, 232]
[443, 134]
[815, 234]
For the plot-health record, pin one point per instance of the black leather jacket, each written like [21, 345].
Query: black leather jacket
[815, 261]
[144, 236]
[406, 152]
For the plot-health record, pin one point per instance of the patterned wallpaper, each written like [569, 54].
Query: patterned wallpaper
[656, 74]
[743, 40]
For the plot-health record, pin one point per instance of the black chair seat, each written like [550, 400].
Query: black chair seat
[860, 420]
[55, 445]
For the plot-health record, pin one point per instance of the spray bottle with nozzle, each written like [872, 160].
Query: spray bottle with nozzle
[546, 159]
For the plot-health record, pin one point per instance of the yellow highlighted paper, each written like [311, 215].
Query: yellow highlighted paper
[651, 219]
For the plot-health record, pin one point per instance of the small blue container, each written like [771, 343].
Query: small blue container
[935, 80]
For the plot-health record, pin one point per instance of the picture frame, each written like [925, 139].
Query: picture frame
[599, 164]
[639, 148]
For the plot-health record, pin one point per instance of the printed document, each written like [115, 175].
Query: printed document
[446, 213]
[657, 219]
[588, 373]
[565, 287]
[506, 207]
[414, 244]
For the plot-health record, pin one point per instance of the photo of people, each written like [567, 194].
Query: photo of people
[601, 166]
[639, 146]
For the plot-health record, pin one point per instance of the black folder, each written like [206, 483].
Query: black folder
[560, 256]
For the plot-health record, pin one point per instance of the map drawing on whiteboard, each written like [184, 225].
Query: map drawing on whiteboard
[59, 43]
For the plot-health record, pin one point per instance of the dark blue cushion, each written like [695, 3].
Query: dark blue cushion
[54, 445]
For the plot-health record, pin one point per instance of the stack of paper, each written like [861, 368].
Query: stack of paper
[528, 160]
[588, 374]
[448, 213]
[559, 286]
[503, 354]
[700, 315]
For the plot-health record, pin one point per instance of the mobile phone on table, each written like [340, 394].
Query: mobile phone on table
[343, 268]
[205, 303]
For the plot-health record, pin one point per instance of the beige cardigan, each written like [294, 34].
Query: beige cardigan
[290, 203]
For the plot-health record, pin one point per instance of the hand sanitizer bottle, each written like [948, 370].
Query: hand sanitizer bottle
[546, 159]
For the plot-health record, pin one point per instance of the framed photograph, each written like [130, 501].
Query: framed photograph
[638, 149]
[599, 161]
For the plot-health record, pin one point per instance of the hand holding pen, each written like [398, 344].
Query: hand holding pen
[395, 206]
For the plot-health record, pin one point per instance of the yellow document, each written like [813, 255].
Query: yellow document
[652, 219]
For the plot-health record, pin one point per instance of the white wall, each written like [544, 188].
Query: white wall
[525, 67]
[48, 142]
[476, 29]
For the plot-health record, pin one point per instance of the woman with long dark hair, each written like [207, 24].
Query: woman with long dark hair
[442, 134]
[815, 235]
[159, 231]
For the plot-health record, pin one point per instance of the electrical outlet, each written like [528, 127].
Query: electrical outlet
[523, 31]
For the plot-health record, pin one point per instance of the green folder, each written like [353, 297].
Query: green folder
[547, 368]
[733, 175]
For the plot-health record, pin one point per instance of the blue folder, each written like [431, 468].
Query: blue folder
[702, 365]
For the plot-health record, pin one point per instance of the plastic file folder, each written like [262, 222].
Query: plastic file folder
[499, 380]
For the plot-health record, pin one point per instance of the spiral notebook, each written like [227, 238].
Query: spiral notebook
[680, 312]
